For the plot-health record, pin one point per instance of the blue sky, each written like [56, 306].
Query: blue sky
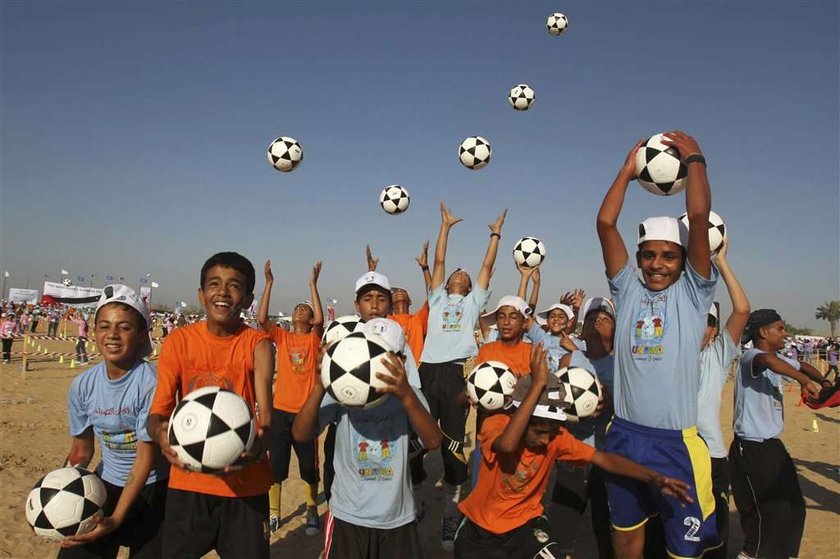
[134, 136]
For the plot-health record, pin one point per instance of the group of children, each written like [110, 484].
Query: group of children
[652, 463]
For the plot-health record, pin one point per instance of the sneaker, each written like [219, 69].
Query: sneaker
[447, 534]
[313, 523]
[273, 523]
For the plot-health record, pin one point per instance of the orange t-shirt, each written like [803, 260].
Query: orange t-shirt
[414, 327]
[296, 370]
[510, 487]
[517, 357]
[191, 358]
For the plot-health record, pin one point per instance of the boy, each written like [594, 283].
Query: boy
[371, 510]
[510, 316]
[297, 353]
[719, 349]
[228, 512]
[110, 403]
[764, 480]
[81, 344]
[660, 321]
[453, 312]
[503, 514]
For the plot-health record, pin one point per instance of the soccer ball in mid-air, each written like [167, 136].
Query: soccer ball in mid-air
[341, 327]
[67, 282]
[521, 97]
[489, 384]
[210, 428]
[474, 153]
[582, 390]
[717, 230]
[557, 24]
[658, 167]
[349, 367]
[529, 252]
[394, 199]
[65, 502]
[285, 154]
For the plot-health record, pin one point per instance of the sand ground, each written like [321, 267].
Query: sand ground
[34, 440]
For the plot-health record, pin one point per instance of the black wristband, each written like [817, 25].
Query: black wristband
[695, 158]
[424, 268]
[495, 235]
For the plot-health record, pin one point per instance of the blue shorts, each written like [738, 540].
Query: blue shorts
[683, 455]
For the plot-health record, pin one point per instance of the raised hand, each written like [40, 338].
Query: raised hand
[446, 216]
[371, 261]
[496, 226]
[539, 363]
[423, 259]
[269, 275]
[316, 271]
[629, 166]
[397, 382]
[683, 143]
[720, 256]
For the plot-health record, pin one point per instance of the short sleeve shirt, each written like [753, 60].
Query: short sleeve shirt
[414, 327]
[117, 410]
[517, 357]
[657, 347]
[759, 404]
[551, 344]
[714, 367]
[296, 368]
[452, 320]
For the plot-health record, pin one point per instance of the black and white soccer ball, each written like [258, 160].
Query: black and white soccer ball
[582, 391]
[341, 327]
[717, 230]
[394, 199]
[659, 169]
[65, 502]
[529, 252]
[521, 97]
[349, 367]
[285, 154]
[67, 282]
[474, 153]
[210, 428]
[557, 24]
[490, 384]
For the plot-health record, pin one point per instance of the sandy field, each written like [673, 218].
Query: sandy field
[34, 440]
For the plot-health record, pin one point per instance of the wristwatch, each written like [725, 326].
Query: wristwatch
[695, 157]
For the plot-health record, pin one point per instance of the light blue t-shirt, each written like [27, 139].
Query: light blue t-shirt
[372, 485]
[117, 411]
[714, 367]
[551, 344]
[759, 406]
[452, 320]
[593, 431]
[657, 347]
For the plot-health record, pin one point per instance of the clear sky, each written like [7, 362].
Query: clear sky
[134, 137]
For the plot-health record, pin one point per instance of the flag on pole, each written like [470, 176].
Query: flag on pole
[109, 278]
[144, 280]
[65, 272]
[5, 274]
[155, 284]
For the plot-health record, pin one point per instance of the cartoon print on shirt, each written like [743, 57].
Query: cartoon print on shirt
[649, 328]
[451, 316]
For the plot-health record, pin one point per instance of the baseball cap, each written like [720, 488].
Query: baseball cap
[663, 228]
[570, 313]
[551, 402]
[759, 319]
[118, 293]
[390, 332]
[373, 278]
[598, 304]
[517, 303]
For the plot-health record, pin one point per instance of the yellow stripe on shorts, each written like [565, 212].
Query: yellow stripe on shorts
[701, 465]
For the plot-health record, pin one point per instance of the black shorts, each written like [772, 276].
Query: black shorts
[281, 450]
[196, 523]
[532, 540]
[343, 540]
[140, 532]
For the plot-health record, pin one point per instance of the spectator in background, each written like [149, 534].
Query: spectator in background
[52, 321]
[8, 331]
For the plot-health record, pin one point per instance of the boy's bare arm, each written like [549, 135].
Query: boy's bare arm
[508, 441]
[305, 425]
[486, 270]
[397, 385]
[781, 367]
[737, 321]
[318, 312]
[81, 450]
[447, 220]
[423, 262]
[262, 312]
[612, 245]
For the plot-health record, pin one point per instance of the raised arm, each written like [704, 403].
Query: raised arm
[612, 245]
[535, 291]
[371, 261]
[525, 275]
[447, 220]
[508, 441]
[262, 312]
[486, 271]
[423, 262]
[737, 321]
[806, 377]
[698, 201]
[318, 313]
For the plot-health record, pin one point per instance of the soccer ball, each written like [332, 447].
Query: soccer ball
[521, 97]
[341, 327]
[285, 154]
[67, 282]
[529, 252]
[489, 384]
[349, 367]
[475, 153]
[394, 199]
[65, 502]
[717, 230]
[210, 428]
[659, 169]
[582, 391]
[556, 24]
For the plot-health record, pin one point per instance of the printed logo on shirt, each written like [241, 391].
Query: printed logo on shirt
[120, 441]
[374, 458]
[521, 476]
[649, 328]
[451, 316]
[297, 357]
[208, 379]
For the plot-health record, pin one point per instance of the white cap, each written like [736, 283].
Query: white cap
[517, 303]
[713, 310]
[663, 228]
[118, 293]
[387, 329]
[373, 278]
[598, 304]
[570, 313]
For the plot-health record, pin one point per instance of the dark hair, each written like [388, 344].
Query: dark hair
[232, 260]
[711, 321]
[374, 287]
[544, 421]
[138, 318]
